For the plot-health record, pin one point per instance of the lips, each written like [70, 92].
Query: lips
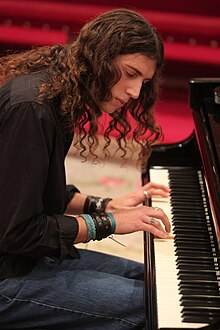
[121, 101]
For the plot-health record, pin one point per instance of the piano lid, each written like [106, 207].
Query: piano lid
[205, 105]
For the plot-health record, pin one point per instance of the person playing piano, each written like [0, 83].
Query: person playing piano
[47, 94]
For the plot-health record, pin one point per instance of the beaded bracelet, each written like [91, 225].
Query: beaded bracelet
[95, 204]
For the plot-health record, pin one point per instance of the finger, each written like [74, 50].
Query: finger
[157, 223]
[166, 223]
[155, 231]
[159, 192]
[158, 213]
[155, 185]
[148, 193]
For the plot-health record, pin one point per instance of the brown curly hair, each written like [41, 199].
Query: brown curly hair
[82, 74]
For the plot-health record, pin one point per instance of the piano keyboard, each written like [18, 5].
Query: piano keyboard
[187, 264]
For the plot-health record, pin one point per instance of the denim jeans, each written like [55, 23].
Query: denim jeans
[98, 291]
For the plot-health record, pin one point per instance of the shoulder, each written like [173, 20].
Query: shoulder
[20, 96]
[25, 88]
[22, 113]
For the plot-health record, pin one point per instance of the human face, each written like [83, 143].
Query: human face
[136, 69]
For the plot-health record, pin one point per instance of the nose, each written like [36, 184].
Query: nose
[134, 90]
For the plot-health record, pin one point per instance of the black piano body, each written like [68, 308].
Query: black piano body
[198, 153]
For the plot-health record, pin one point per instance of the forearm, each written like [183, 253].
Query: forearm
[76, 205]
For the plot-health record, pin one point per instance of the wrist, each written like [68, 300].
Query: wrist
[99, 225]
[82, 231]
[76, 204]
[110, 206]
[95, 204]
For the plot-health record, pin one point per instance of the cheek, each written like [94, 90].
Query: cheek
[117, 87]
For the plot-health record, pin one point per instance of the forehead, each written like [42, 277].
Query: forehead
[142, 63]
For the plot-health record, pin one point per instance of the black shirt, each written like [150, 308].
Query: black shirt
[33, 194]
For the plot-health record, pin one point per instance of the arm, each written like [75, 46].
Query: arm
[28, 225]
[129, 215]
[138, 197]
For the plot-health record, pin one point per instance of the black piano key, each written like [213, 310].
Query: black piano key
[208, 310]
[193, 249]
[185, 223]
[194, 253]
[189, 213]
[190, 263]
[185, 231]
[187, 191]
[197, 220]
[186, 240]
[202, 263]
[191, 231]
[200, 290]
[178, 202]
[198, 318]
[191, 245]
[186, 199]
[198, 283]
[205, 302]
[190, 210]
[200, 300]
[184, 190]
[195, 258]
[203, 276]
[186, 196]
[195, 313]
[187, 217]
[181, 180]
[189, 225]
[186, 266]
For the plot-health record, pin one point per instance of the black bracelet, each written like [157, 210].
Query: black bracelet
[95, 204]
[103, 225]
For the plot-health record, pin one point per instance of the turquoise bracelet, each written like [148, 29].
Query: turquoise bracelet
[91, 227]
[113, 223]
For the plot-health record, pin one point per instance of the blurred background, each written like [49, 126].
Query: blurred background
[191, 34]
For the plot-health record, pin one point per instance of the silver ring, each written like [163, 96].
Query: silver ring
[152, 221]
[156, 208]
[146, 194]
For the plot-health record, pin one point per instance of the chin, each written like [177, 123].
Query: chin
[108, 110]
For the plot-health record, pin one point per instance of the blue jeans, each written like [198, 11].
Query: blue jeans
[98, 291]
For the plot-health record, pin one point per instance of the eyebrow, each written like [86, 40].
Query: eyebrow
[137, 71]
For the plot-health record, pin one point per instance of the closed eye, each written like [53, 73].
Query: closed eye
[131, 75]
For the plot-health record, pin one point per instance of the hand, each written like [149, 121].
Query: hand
[142, 218]
[138, 197]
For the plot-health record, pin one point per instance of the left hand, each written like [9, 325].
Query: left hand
[138, 197]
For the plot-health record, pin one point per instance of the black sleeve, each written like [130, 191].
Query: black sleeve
[70, 191]
[26, 144]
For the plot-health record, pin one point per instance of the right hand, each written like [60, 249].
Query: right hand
[142, 218]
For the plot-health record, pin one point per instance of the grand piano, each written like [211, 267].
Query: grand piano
[182, 273]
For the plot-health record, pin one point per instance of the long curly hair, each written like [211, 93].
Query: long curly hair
[82, 74]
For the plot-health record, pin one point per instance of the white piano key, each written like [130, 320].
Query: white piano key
[168, 296]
